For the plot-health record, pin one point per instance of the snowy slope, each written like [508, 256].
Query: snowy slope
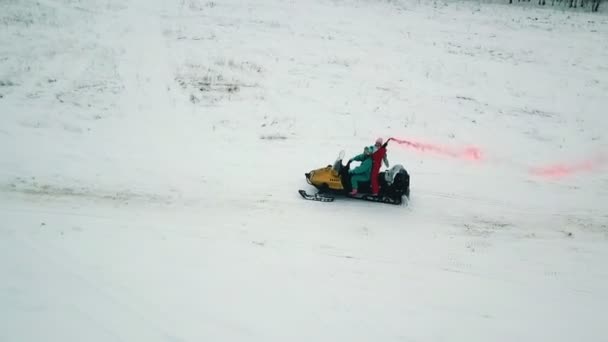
[152, 151]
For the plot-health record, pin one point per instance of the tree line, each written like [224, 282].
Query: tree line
[595, 4]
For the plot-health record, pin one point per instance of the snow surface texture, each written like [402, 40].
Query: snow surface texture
[152, 152]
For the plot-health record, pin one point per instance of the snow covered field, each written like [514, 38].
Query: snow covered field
[151, 153]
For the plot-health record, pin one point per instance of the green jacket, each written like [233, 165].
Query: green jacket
[365, 169]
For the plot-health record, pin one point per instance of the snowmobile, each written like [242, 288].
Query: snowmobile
[334, 180]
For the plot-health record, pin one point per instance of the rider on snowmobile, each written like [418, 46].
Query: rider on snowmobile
[362, 172]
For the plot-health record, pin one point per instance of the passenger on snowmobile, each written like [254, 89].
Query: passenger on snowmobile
[378, 156]
[377, 146]
[362, 172]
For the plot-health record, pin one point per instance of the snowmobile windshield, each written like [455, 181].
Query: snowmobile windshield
[338, 163]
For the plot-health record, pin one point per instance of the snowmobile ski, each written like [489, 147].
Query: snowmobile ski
[316, 197]
[320, 197]
[379, 199]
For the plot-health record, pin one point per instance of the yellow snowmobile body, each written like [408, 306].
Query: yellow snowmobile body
[325, 178]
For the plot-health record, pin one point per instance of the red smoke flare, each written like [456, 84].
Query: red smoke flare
[552, 171]
[567, 169]
[469, 153]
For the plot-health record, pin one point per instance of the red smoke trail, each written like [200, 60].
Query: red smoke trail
[564, 169]
[469, 153]
[552, 171]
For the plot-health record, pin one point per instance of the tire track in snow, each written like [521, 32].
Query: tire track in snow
[84, 299]
[146, 66]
